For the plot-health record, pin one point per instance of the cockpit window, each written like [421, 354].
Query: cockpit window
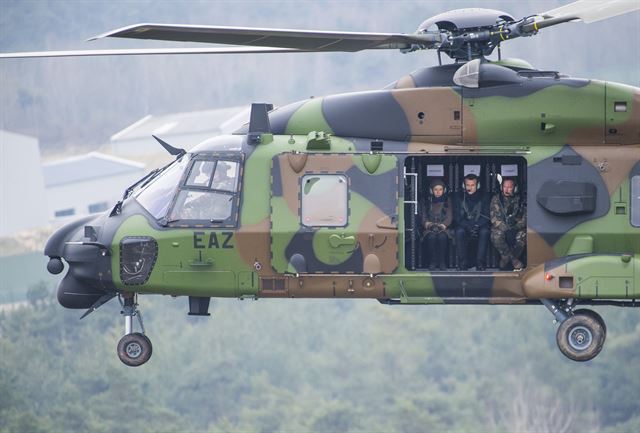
[157, 196]
[200, 174]
[202, 205]
[209, 195]
[226, 176]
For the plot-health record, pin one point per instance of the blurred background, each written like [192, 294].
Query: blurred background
[74, 132]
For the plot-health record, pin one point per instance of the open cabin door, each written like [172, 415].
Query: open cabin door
[334, 213]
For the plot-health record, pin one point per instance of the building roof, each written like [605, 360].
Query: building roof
[223, 120]
[89, 166]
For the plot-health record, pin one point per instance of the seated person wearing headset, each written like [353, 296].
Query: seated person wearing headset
[471, 216]
[437, 215]
[509, 224]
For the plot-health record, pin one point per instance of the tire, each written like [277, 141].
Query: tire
[134, 349]
[593, 314]
[581, 337]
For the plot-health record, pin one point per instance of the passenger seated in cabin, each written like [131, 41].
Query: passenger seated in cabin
[509, 224]
[471, 217]
[437, 215]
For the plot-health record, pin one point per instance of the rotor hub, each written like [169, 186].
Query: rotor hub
[470, 33]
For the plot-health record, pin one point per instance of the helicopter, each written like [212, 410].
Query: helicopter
[323, 198]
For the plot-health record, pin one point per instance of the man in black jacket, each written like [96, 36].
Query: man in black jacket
[471, 216]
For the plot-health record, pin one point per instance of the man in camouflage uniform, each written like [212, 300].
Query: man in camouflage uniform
[509, 224]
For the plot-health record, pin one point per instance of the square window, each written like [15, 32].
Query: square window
[324, 200]
[226, 177]
[200, 174]
[620, 106]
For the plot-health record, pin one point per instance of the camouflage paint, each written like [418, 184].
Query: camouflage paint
[565, 128]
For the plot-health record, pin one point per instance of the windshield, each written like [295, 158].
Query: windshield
[156, 197]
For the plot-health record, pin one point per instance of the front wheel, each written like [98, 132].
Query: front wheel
[134, 349]
[581, 337]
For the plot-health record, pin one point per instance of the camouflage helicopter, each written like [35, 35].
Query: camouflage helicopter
[325, 198]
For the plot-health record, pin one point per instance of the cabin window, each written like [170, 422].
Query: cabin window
[324, 200]
[635, 201]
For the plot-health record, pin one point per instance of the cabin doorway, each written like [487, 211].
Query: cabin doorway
[420, 172]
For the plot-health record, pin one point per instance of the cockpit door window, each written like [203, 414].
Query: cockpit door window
[210, 194]
[200, 173]
[202, 205]
[226, 176]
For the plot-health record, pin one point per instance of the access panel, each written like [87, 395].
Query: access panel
[334, 213]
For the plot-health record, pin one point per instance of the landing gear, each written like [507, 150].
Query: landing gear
[134, 349]
[581, 334]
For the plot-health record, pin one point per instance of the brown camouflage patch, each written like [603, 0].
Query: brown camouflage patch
[254, 246]
[383, 243]
[406, 82]
[613, 170]
[434, 114]
[538, 250]
[535, 285]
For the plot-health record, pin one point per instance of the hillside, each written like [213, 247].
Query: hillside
[321, 366]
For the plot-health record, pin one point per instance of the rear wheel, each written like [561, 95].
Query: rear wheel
[581, 336]
[134, 349]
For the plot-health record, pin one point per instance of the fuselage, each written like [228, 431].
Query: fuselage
[325, 203]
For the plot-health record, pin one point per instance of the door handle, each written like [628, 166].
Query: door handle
[337, 241]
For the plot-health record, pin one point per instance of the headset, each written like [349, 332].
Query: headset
[513, 179]
[471, 176]
[446, 189]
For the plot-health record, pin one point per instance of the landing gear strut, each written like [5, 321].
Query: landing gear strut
[134, 349]
[581, 333]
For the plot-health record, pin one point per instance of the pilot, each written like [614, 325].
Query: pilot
[437, 215]
[225, 177]
[509, 224]
[471, 216]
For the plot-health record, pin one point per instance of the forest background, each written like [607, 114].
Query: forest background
[288, 365]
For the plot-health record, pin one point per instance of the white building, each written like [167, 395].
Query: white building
[87, 184]
[181, 130]
[21, 184]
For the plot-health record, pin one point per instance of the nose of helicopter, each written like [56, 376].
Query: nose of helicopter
[88, 277]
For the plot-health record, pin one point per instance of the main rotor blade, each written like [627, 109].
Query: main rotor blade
[307, 40]
[590, 11]
[148, 51]
[587, 11]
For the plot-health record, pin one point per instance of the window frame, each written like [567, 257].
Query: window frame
[634, 199]
[230, 222]
[348, 199]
